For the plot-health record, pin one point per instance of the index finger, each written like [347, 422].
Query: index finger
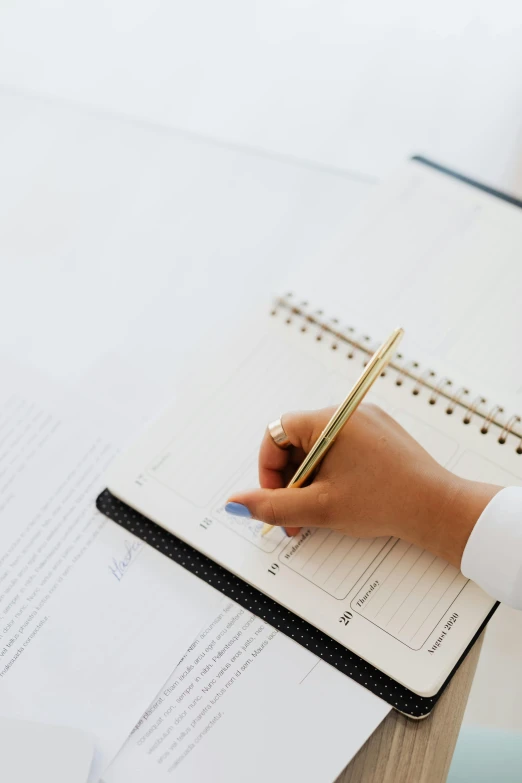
[302, 429]
[272, 463]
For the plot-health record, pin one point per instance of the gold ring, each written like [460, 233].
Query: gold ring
[278, 434]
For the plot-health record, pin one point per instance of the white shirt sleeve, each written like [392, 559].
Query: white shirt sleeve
[493, 555]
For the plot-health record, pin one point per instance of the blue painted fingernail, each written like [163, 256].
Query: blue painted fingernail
[238, 510]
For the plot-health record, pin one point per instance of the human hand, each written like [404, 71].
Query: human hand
[376, 480]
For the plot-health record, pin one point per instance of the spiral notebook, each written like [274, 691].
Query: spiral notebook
[392, 616]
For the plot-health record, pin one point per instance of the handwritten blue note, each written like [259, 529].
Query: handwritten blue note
[120, 565]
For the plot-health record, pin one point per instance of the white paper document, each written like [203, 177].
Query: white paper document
[92, 621]
[41, 752]
[248, 703]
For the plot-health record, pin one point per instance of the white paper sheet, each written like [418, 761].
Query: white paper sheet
[38, 751]
[91, 621]
[248, 703]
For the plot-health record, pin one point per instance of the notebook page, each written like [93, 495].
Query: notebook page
[405, 611]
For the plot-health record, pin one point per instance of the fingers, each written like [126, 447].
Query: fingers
[302, 428]
[272, 463]
[276, 465]
[289, 508]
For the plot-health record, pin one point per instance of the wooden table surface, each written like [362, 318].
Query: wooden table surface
[416, 751]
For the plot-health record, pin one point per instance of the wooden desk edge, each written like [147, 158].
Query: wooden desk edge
[409, 751]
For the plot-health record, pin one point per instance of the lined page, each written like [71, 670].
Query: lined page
[408, 593]
[330, 560]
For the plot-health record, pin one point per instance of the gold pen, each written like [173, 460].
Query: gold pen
[371, 372]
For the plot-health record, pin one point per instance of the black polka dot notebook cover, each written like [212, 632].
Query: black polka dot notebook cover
[271, 612]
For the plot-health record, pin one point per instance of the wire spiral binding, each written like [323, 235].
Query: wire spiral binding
[490, 419]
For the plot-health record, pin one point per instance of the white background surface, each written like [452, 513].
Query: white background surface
[348, 84]
[114, 230]
[137, 241]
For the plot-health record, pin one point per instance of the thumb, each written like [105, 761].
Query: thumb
[290, 508]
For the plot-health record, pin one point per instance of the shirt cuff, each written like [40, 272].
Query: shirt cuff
[493, 555]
